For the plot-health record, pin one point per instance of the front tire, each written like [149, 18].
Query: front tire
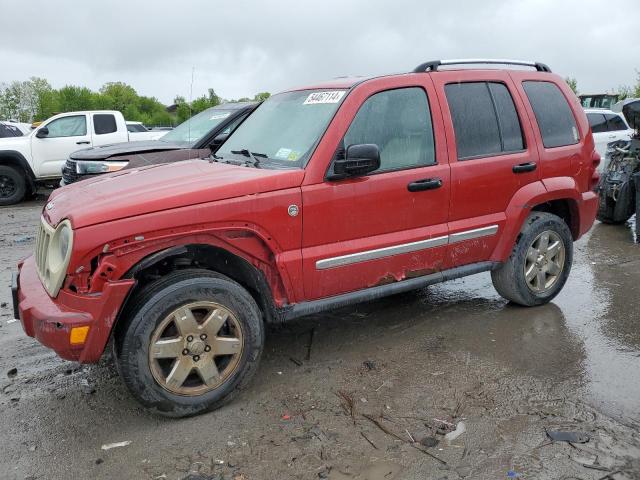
[190, 342]
[539, 264]
[13, 185]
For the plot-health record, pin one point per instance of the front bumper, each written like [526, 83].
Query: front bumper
[50, 320]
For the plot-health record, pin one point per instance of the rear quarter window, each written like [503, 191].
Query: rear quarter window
[553, 114]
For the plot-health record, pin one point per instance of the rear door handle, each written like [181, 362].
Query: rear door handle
[424, 184]
[84, 142]
[525, 167]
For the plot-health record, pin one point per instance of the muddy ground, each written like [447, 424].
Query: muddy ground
[341, 395]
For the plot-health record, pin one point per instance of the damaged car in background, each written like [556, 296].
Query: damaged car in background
[617, 187]
[194, 138]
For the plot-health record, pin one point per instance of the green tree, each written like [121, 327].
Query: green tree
[72, 98]
[119, 95]
[573, 84]
[261, 97]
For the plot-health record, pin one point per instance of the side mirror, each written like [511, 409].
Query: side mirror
[42, 133]
[359, 160]
[218, 141]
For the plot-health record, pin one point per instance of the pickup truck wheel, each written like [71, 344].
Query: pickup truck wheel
[13, 185]
[191, 342]
[539, 264]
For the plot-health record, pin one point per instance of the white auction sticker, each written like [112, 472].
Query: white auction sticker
[219, 116]
[332, 96]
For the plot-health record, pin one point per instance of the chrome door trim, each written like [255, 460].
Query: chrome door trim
[475, 233]
[405, 248]
[380, 253]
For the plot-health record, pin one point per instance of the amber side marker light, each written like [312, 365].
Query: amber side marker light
[78, 335]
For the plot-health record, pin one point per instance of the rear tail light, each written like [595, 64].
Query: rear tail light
[595, 176]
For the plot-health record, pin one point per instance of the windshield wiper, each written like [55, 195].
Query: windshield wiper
[252, 155]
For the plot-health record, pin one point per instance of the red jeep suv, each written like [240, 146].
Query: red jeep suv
[325, 196]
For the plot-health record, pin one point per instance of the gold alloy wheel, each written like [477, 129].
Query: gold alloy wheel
[196, 348]
[545, 261]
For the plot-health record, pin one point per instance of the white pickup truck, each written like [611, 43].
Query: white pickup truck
[38, 157]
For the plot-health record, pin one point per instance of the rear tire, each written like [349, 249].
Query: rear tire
[539, 264]
[13, 185]
[189, 343]
[607, 211]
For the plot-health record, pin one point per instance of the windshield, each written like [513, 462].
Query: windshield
[286, 127]
[192, 130]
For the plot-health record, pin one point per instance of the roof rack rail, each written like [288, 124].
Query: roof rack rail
[433, 65]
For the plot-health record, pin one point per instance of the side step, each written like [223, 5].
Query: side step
[307, 308]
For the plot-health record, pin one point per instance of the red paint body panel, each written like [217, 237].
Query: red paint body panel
[123, 218]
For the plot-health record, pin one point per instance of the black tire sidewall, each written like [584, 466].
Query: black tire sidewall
[20, 181]
[541, 222]
[133, 344]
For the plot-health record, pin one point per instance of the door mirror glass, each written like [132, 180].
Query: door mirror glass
[42, 133]
[359, 160]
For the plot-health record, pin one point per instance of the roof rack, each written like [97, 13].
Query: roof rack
[433, 65]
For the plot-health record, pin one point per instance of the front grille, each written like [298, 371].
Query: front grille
[69, 174]
[43, 237]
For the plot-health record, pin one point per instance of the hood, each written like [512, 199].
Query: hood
[106, 151]
[9, 143]
[161, 187]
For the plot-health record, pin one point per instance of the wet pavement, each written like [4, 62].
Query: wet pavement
[342, 395]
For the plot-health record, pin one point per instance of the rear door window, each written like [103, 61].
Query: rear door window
[598, 122]
[104, 123]
[553, 114]
[615, 123]
[484, 119]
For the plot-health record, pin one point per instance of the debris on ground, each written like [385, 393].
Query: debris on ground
[429, 441]
[312, 333]
[86, 387]
[451, 436]
[296, 361]
[12, 372]
[3, 305]
[109, 446]
[370, 365]
[512, 474]
[570, 437]
[24, 239]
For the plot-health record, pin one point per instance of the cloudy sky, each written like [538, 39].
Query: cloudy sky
[244, 47]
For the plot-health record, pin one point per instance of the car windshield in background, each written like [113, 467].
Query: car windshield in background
[286, 127]
[192, 130]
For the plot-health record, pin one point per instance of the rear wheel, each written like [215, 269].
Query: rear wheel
[607, 211]
[13, 185]
[191, 341]
[540, 261]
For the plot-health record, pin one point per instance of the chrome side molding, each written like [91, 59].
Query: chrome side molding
[405, 247]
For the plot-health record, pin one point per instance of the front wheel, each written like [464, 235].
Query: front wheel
[191, 341]
[13, 185]
[540, 261]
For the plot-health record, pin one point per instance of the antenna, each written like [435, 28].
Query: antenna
[193, 71]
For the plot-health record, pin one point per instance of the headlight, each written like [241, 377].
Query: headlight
[53, 253]
[93, 167]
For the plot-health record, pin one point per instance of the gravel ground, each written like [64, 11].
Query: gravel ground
[343, 395]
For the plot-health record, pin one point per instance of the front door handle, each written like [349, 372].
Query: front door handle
[84, 142]
[424, 184]
[525, 167]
